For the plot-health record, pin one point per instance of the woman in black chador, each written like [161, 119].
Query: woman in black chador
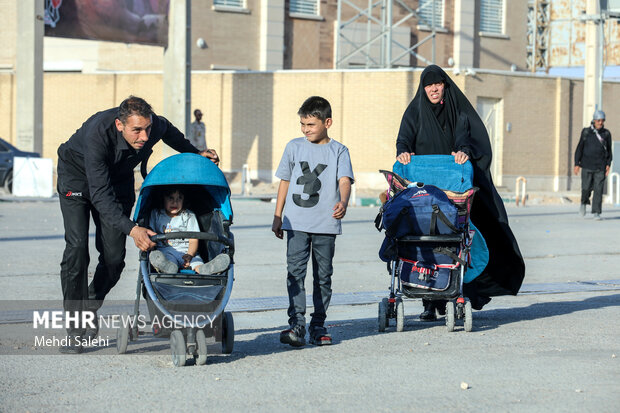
[441, 121]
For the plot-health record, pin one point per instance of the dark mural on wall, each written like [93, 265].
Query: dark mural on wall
[127, 21]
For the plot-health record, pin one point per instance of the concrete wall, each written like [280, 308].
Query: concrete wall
[251, 116]
[8, 33]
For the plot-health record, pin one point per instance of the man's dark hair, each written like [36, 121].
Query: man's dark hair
[134, 105]
[316, 106]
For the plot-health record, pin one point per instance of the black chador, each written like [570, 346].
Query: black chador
[453, 125]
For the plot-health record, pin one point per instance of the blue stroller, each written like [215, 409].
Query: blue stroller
[187, 307]
[431, 247]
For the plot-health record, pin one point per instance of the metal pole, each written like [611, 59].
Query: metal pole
[368, 33]
[534, 32]
[383, 23]
[177, 67]
[601, 63]
[388, 52]
[592, 80]
[434, 43]
[29, 76]
[338, 23]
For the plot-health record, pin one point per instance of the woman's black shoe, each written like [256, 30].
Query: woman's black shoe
[428, 315]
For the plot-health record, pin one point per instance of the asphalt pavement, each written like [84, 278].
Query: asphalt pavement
[554, 347]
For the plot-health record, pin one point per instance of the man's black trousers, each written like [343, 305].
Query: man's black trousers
[110, 243]
[592, 181]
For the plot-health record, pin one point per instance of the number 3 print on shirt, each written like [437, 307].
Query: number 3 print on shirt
[311, 183]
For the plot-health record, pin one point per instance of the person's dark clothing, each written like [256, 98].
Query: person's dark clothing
[96, 177]
[110, 243]
[591, 153]
[592, 180]
[459, 128]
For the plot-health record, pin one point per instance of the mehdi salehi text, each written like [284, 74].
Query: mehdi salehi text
[42, 341]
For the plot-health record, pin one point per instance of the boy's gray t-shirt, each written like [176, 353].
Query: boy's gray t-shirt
[313, 171]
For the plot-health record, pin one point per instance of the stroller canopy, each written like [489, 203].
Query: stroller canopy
[187, 169]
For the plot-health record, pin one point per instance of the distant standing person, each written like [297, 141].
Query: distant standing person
[198, 132]
[593, 158]
[316, 177]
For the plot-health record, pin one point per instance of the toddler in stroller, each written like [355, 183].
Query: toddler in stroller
[187, 307]
[172, 254]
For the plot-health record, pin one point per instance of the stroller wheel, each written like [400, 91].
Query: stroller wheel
[469, 319]
[122, 335]
[383, 321]
[400, 315]
[201, 348]
[228, 333]
[178, 348]
[450, 315]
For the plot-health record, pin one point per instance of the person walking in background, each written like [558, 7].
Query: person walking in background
[316, 177]
[593, 158]
[198, 132]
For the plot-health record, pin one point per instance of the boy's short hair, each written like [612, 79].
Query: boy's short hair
[134, 105]
[315, 106]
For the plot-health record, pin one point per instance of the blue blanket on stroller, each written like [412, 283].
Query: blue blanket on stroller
[442, 172]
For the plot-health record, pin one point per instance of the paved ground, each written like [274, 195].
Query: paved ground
[553, 348]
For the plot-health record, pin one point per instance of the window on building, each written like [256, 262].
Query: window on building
[492, 16]
[230, 3]
[309, 7]
[425, 11]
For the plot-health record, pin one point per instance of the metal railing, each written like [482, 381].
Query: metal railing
[520, 190]
[613, 191]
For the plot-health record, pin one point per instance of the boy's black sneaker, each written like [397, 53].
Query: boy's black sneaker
[320, 337]
[295, 336]
[73, 346]
[91, 333]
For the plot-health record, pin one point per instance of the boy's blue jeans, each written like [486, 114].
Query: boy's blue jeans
[299, 246]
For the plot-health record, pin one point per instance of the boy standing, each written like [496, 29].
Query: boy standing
[316, 177]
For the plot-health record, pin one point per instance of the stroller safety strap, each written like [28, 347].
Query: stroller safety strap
[437, 213]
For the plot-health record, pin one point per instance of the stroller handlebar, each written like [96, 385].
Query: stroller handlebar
[207, 236]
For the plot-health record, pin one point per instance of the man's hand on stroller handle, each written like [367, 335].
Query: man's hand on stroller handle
[141, 238]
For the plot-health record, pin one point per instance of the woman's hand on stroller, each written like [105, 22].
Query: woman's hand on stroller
[211, 154]
[141, 237]
[460, 157]
[405, 157]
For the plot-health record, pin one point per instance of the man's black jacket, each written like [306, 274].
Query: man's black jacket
[97, 163]
[590, 152]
